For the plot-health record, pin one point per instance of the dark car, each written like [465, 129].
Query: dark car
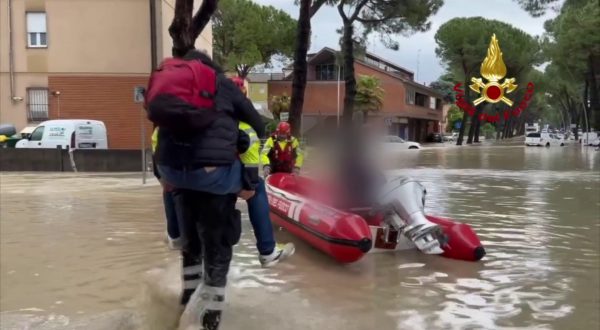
[434, 137]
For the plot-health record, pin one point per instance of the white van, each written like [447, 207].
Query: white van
[543, 139]
[67, 133]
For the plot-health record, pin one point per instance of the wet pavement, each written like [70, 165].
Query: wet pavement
[87, 251]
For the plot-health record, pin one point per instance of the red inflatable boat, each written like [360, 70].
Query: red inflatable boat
[304, 207]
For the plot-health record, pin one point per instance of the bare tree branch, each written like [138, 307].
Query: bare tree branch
[202, 17]
[340, 8]
[357, 10]
[314, 8]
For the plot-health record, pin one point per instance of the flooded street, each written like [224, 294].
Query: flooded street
[87, 251]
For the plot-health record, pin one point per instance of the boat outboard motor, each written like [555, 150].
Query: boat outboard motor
[403, 201]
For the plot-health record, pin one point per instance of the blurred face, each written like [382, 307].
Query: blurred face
[281, 136]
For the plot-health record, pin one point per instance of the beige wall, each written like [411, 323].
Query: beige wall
[16, 112]
[165, 43]
[85, 37]
[90, 36]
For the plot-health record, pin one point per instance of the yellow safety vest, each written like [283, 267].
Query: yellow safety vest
[251, 158]
[154, 139]
[271, 143]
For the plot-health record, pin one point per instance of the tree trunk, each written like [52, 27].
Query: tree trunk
[506, 128]
[521, 125]
[477, 128]
[594, 93]
[350, 80]
[472, 128]
[461, 131]
[300, 67]
[181, 28]
[586, 108]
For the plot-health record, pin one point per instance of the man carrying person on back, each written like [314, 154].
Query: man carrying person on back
[197, 110]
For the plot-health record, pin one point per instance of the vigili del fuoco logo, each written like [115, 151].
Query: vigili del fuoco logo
[495, 89]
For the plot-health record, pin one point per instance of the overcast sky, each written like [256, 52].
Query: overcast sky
[327, 21]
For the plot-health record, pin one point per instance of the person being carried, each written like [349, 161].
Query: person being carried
[173, 235]
[197, 110]
[282, 153]
[270, 253]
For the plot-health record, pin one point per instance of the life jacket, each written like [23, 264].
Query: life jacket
[283, 159]
[179, 93]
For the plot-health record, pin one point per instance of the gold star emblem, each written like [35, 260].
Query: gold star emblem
[493, 69]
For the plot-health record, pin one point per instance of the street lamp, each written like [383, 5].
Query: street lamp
[57, 95]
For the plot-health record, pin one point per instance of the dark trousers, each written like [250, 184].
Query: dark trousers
[209, 226]
[171, 214]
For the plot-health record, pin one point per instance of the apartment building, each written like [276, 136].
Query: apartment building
[68, 59]
[410, 110]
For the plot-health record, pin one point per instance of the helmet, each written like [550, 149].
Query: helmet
[283, 130]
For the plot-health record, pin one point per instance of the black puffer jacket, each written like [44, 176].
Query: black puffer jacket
[217, 144]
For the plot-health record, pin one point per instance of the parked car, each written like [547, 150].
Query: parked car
[434, 137]
[543, 139]
[392, 142]
[67, 133]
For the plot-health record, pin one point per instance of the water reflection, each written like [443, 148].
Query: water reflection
[92, 256]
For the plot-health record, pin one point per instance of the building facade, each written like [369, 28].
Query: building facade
[258, 87]
[81, 60]
[410, 110]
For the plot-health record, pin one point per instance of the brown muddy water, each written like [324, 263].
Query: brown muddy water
[86, 251]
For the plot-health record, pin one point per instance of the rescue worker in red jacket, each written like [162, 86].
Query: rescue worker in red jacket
[281, 152]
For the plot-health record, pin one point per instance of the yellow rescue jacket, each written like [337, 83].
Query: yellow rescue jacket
[250, 158]
[154, 139]
[299, 161]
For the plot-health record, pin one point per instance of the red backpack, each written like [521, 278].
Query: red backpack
[181, 94]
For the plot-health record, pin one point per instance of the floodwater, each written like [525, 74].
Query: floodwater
[86, 251]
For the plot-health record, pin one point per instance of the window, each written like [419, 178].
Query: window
[37, 104]
[421, 99]
[36, 30]
[328, 72]
[410, 96]
[438, 104]
[432, 103]
[37, 134]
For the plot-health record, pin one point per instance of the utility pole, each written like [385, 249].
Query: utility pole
[418, 57]
[338, 95]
